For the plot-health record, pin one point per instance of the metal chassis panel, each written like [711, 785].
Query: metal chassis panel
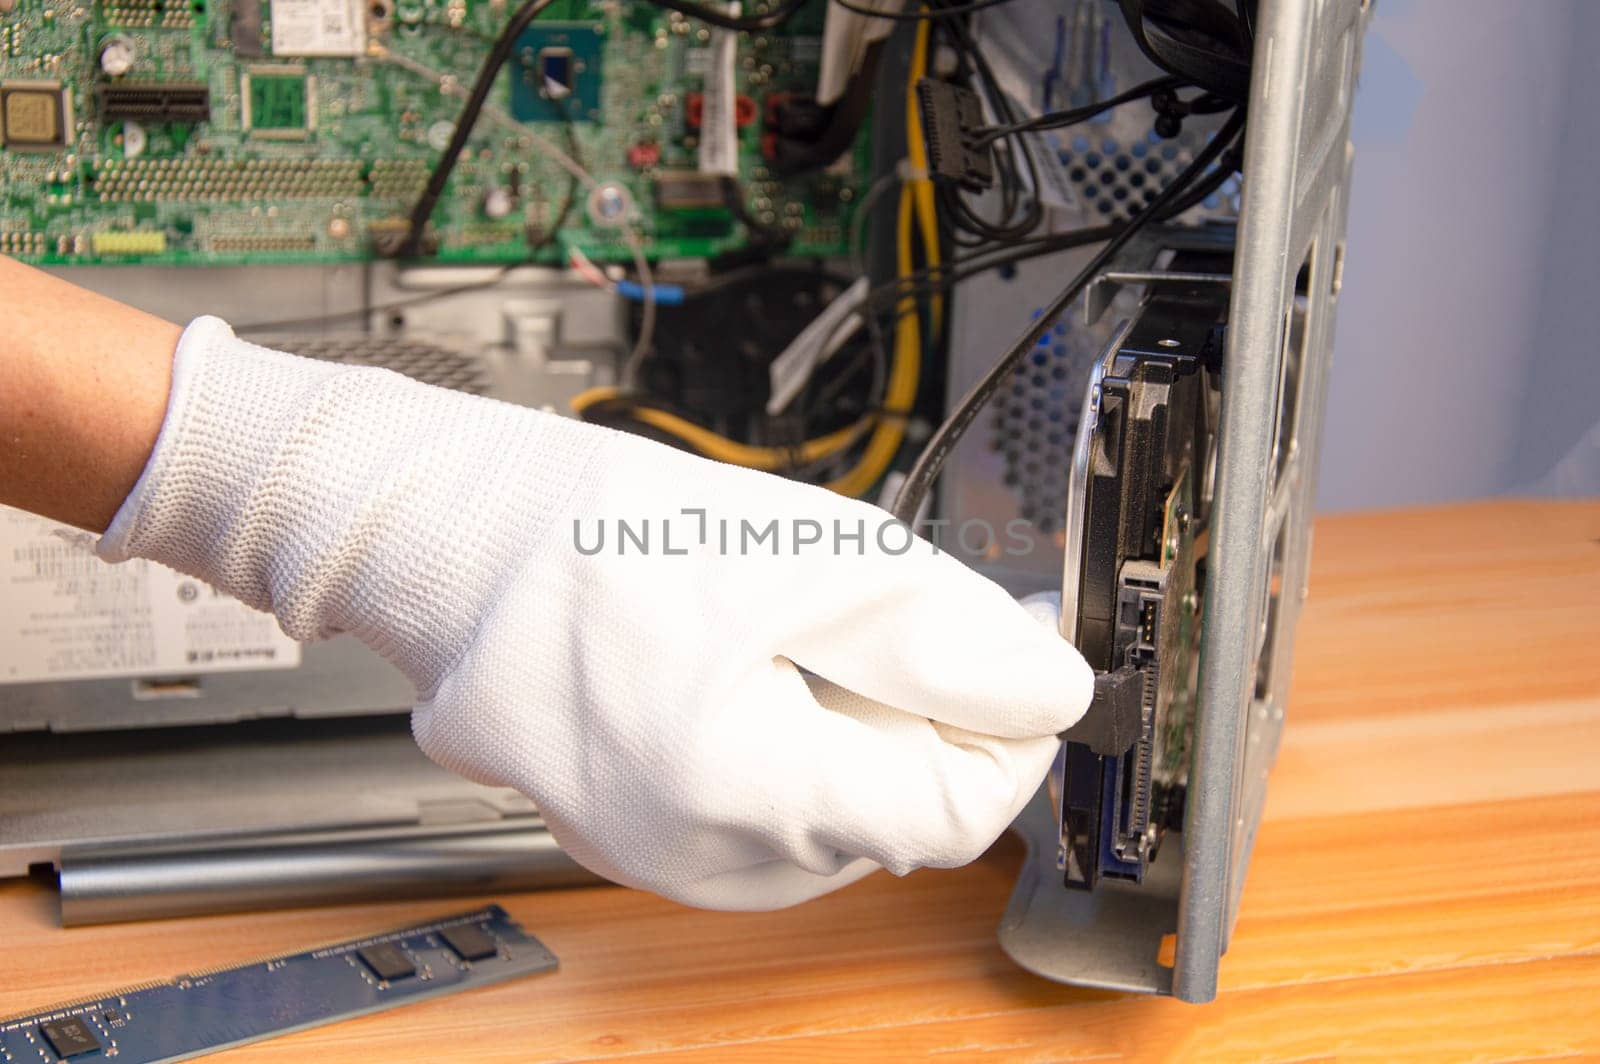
[1297, 167]
[1297, 170]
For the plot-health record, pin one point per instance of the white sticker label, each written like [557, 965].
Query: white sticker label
[318, 27]
[67, 615]
[719, 128]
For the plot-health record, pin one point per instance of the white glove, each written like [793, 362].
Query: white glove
[647, 699]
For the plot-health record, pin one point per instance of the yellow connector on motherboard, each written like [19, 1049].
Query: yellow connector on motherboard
[141, 242]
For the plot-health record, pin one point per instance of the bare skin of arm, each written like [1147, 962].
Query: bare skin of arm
[83, 389]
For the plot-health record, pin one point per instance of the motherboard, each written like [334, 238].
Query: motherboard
[252, 131]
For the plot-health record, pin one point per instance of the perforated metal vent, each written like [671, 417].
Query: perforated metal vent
[418, 359]
[1036, 419]
[1116, 170]
[1116, 176]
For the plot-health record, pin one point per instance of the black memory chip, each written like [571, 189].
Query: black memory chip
[469, 941]
[387, 961]
[69, 1037]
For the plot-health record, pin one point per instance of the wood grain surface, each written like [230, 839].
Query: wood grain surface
[1426, 885]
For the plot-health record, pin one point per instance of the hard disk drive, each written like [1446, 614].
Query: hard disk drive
[1139, 501]
[1186, 539]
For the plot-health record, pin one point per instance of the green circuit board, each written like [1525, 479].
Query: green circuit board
[256, 131]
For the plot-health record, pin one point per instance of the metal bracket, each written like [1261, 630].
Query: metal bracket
[1103, 289]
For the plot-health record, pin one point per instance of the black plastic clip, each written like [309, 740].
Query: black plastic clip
[1115, 717]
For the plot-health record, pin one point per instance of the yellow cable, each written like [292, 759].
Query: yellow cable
[902, 386]
[713, 445]
[921, 183]
[916, 215]
[587, 398]
[901, 389]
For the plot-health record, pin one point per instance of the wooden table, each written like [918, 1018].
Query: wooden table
[1427, 883]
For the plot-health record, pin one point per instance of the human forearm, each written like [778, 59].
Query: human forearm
[728, 723]
[648, 696]
[83, 388]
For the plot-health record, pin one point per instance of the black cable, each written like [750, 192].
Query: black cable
[750, 23]
[552, 232]
[549, 237]
[856, 243]
[895, 299]
[1198, 40]
[932, 279]
[627, 401]
[1010, 226]
[618, 412]
[1227, 166]
[791, 154]
[887, 291]
[925, 472]
[574, 189]
[922, 16]
[892, 300]
[1057, 119]
[800, 269]
[504, 44]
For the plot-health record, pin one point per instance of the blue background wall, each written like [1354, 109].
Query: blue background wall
[1468, 348]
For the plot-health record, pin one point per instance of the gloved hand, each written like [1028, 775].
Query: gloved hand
[644, 694]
